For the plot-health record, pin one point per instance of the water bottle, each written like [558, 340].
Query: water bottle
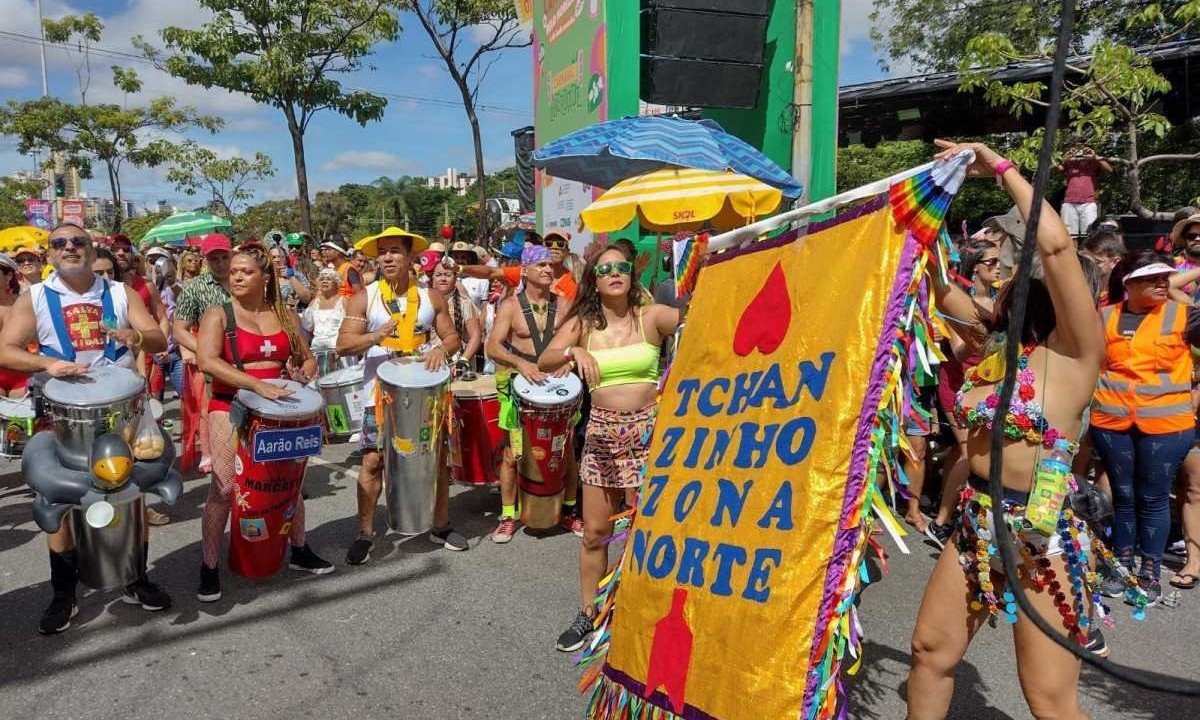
[1050, 488]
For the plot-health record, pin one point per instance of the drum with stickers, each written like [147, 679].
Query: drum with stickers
[342, 391]
[17, 416]
[476, 439]
[276, 438]
[411, 411]
[548, 413]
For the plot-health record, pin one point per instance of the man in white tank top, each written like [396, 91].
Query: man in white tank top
[368, 328]
[76, 317]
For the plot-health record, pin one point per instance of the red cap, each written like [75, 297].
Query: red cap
[214, 242]
[429, 260]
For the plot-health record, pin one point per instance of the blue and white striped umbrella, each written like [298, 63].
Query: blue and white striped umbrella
[606, 153]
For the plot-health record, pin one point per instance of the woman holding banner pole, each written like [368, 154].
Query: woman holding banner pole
[1059, 362]
[612, 337]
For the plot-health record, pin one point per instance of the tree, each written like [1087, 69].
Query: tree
[466, 33]
[196, 169]
[138, 226]
[111, 135]
[287, 54]
[1109, 99]
[13, 194]
[256, 220]
[332, 212]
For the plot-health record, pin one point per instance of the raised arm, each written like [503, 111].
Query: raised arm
[152, 339]
[353, 337]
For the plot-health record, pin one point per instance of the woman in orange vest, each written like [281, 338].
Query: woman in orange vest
[1142, 419]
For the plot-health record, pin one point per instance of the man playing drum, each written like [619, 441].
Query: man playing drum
[97, 318]
[394, 317]
[525, 324]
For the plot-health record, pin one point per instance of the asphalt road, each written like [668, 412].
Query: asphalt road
[421, 633]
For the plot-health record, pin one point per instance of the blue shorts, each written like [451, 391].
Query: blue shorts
[369, 436]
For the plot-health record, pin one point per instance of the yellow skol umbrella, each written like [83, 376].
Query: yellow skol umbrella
[21, 236]
[678, 198]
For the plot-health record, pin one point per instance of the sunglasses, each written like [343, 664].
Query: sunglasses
[556, 244]
[1191, 236]
[990, 262]
[77, 241]
[614, 268]
[28, 261]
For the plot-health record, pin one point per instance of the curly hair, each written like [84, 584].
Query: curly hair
[588, 307]
[262, 259]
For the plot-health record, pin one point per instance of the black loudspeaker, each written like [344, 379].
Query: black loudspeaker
[703, 53]
[523, 147]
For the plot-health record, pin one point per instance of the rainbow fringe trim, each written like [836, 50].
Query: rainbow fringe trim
[689, 253]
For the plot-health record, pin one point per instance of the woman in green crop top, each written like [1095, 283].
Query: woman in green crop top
[612, 337]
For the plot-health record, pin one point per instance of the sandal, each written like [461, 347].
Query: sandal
[1185, 581]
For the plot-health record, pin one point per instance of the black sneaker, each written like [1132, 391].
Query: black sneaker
[303, 558]
[575, 636]
[1153, 590]
[210, 584]
[1095, 643]
[147, 594]
[57, 616]
[360, 550]
[939, 534]
[449, 539]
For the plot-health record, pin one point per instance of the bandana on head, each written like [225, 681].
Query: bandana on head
[534, 254]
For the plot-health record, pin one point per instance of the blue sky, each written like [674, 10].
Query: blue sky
[415, 137]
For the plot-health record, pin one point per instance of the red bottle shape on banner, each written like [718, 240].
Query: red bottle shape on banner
[671, 653]
[764, 322]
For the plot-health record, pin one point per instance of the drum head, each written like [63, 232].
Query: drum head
[303, 402]
[552, 393]
[482, 386]
[97, 387]
[16, 407]
[411, 373]
[344, 376]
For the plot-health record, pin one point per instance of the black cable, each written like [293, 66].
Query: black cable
[1016, 323]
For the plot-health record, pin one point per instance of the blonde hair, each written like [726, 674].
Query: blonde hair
[262, 258]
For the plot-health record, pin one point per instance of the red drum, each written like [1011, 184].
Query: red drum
[278, 437]
[547, 413]
[476, 440]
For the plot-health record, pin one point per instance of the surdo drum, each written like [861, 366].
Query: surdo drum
[547, 413]
[342, 391]
[476, 439]
[276, 439]
[412, 409]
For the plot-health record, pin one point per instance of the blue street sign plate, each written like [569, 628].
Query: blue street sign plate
[286, 443]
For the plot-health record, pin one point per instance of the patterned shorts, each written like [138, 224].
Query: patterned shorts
[616, 447]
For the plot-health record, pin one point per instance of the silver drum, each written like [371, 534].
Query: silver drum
[342, 391]
[84, 407]
[414, 413]
[111, 556]
[328, 361]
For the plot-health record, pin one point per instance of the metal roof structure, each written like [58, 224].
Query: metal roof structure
[928, 106]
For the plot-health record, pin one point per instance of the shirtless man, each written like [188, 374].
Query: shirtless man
[525, 324]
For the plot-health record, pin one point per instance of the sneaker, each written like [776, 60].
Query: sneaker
[504, 531]
[303, 558]
[939, 534]
[57, 616]
[210, 584]
[1112, 587]
[1153, 590]
[449, 539]
[1179, 547]
[155, 517]
[1096, 644]
[145, 593]
[575, 636]
[360, 550]
[573, 523]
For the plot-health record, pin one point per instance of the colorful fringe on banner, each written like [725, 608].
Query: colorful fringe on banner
[702, 667]
[688, 252]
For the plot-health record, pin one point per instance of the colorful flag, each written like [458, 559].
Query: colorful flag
[687, 250]
[734, 599]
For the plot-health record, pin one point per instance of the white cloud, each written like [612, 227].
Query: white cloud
[374, 160]
[856, 21]
[14, 77]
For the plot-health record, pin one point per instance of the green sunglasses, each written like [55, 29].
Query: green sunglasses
[614, 268]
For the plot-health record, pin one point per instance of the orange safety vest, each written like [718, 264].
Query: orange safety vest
[1146, 379]
[346, 289]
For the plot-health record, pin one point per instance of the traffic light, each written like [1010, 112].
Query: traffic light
[60, 185]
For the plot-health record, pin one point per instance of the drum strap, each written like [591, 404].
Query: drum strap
[231, 336]
[54, 305]
[541, 338]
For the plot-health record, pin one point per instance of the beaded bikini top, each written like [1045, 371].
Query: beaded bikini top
[1025, 419]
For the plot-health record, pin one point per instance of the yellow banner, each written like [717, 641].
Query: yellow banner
[748, 524]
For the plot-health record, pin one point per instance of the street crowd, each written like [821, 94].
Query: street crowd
[1101, 473]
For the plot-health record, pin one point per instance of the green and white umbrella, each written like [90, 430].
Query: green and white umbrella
[176, 229]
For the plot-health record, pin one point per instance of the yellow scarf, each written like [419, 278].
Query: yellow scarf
[404, 338]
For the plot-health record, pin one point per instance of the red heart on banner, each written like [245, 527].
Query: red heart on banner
[764, 322]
